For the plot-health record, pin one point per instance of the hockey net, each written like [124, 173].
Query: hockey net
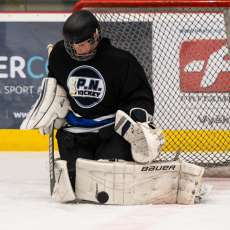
[185, 56]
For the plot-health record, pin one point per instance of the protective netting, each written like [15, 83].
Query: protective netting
[185, 57]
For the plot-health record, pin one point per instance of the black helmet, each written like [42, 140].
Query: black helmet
[80, 26]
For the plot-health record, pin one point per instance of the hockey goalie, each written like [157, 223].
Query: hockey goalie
[99, 99]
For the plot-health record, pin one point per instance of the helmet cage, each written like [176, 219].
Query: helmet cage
[82, 57]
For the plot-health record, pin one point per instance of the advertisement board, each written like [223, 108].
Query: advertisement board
[191, 71]
[23, 61]
[185, 56]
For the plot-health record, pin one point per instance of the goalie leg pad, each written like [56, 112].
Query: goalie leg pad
[63, 191]
[145, 141]
[126, 182]
[189, 183]
[51, 104]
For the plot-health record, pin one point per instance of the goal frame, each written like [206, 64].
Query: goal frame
[150, 3]
[132, 4]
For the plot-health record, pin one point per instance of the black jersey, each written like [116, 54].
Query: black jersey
[112, 80]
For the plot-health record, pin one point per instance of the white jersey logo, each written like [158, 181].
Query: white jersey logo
[86, 85]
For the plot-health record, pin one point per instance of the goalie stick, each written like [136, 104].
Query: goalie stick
[51, 144]
[51, 158]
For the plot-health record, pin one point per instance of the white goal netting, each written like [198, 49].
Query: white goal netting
[185, 56]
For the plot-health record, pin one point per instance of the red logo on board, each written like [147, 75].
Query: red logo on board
[204, 66]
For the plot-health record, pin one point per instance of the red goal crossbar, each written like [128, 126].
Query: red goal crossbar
[151, 3]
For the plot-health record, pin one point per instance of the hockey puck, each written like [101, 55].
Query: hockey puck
[102, 197]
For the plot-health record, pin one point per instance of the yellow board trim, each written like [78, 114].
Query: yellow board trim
[24, 140]
[197, 141]
[176, 140]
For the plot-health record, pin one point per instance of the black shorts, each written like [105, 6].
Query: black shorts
[106, 144]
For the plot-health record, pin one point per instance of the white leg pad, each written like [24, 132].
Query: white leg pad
[145, 141]
[63, 191]
[126, 182]
[189, 183]
[131, 183]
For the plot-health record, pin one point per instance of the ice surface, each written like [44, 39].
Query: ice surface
[25, 204]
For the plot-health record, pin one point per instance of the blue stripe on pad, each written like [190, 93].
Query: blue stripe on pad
[125, 128]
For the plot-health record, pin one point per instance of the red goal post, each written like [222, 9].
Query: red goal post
[182, 46]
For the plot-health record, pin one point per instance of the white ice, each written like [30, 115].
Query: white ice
[25, 204]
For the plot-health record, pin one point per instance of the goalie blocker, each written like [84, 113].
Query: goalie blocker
[52, 105]
[129, 183]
